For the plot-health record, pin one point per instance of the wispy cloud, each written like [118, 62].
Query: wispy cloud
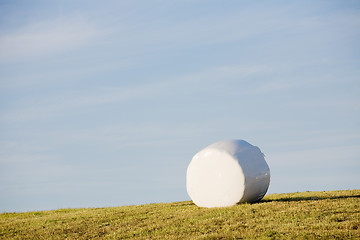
[250, 80]
[21, 162]
[324, 168]
[58, 104]
[44, 38]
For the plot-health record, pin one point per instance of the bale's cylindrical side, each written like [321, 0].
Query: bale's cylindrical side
[226, 173]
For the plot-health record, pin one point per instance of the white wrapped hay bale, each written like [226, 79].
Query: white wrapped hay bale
[226, 173]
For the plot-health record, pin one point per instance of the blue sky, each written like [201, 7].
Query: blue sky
[104, 103]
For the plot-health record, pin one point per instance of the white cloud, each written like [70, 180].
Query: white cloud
[55, 105]
[45, 38]
[26, 163]
[334, 156]
[326, 168]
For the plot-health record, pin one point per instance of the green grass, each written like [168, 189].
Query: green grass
[306, 215]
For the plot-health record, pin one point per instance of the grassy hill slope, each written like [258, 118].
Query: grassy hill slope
[312, 215]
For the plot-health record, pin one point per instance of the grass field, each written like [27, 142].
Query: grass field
[306, 215]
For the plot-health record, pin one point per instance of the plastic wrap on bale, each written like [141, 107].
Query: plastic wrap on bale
[226, 173]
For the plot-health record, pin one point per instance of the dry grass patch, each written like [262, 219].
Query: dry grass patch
[306, 215]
